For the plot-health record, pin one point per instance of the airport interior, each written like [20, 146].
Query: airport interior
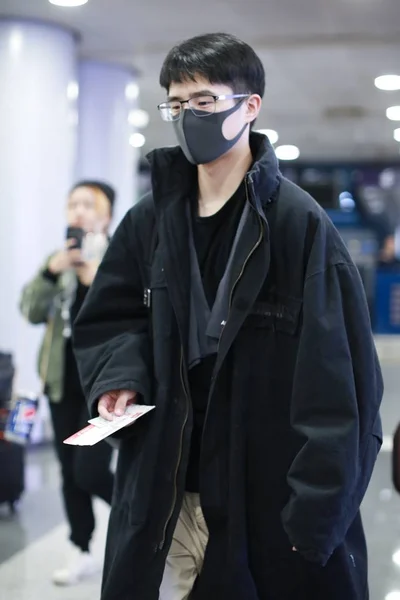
[79, 96]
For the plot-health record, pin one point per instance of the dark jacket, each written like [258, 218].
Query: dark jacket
[292, 428]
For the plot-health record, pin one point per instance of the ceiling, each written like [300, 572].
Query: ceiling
[320, 56]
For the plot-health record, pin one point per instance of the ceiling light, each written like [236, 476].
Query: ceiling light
[388, 83]
[138, 118]
[72, 90]
[287, 152]
[395, 595]
[387, 180]
[137, 140]
[271, 134]
[396, 134]
[16, 41]
[393, 113]
[396, 558]
[68, 2]
[132, 91]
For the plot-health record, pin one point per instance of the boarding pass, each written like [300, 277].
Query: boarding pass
[99, 428]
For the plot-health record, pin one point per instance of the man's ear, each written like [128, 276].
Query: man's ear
[253, 107]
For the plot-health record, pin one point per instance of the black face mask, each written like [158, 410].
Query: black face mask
[201, 138]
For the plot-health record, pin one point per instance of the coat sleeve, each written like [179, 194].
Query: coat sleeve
[37, 298]
[335, 410]
[110, 334]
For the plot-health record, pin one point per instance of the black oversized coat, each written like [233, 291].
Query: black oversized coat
[292, 428]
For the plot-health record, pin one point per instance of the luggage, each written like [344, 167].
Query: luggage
[7, 371]
[12, 472]
[12, 456]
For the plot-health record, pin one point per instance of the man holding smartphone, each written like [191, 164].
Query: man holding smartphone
[54, 297]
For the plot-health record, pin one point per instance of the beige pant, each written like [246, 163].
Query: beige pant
[186, 555]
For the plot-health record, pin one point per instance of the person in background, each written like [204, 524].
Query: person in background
[387, 257]
[54, 297]
[246, 325]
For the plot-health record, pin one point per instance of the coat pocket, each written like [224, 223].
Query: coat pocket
[160, 304]
[157, 277]
[281, 313]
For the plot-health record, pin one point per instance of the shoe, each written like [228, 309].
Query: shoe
[81, 565]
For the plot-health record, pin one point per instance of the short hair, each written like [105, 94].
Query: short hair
[219, 58]
[99, 187]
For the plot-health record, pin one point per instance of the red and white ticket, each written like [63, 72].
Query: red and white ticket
[99, 428]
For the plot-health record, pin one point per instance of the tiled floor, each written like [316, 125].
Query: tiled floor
[39, 512]
[26, 576]
[32, 543]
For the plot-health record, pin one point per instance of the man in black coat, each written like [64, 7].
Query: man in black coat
[228, 300]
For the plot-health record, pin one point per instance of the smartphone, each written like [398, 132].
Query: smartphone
[77, 234]
[94, 246]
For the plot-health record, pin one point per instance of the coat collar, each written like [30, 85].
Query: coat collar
[173, 176]
[173, 180]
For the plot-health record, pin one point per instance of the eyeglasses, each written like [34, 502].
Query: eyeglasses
[201, 106]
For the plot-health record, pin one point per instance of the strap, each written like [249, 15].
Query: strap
[49, 333]
[153, 243]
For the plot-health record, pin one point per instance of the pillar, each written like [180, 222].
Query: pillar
[107, 94]
[37, 130]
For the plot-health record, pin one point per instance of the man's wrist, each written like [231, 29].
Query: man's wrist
[50, 275]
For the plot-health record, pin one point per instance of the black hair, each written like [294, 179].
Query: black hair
[219, 58]
[104, 187]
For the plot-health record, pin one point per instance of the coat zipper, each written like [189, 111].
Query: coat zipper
[243, 266]
[161, 545]
[254, 248]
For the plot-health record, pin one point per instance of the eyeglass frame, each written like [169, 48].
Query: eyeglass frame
[216, 99]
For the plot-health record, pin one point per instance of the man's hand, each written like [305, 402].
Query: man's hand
[115, 403]
[64, 259]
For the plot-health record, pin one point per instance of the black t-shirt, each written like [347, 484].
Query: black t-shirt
[213, 238]
[72, 388]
